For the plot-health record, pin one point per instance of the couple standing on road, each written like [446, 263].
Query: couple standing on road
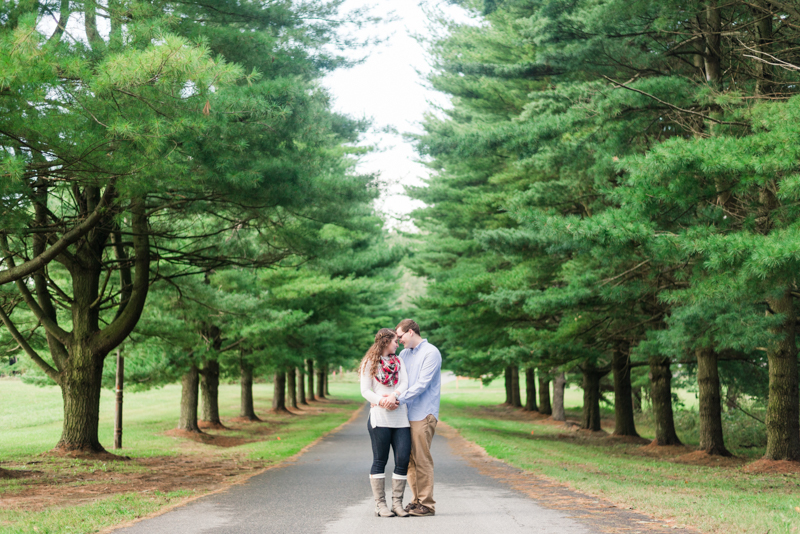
[404, 393]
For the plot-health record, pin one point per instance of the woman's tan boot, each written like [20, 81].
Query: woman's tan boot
[379, 492]
[398, 489]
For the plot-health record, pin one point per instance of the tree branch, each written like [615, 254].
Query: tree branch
[29, 267]
[46, 367]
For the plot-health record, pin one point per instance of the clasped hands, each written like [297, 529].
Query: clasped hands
[389, 402]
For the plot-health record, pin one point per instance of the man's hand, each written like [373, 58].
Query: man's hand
[389, 402]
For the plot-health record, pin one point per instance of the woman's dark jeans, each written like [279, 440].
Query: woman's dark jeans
[382, 437]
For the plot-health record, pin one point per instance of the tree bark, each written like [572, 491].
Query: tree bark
[591, 397]
[301, 386]
[544, 394]
[559, 384]
[509, 395]
[530, 390]
[291, 387]
[516, 401]
[661, 396]
[326, 376]
[80, 390]
[637, 399]
[246, 408]
[783, 405]
[209, 389]
[310, 364]
[320, 381]
[624, 424]
[279, 393]
[189, 396]
[711, 438]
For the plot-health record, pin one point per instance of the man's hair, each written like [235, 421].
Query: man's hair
[408, 324]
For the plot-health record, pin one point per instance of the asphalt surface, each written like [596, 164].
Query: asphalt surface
[326, 490]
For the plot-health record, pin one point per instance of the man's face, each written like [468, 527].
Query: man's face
[402, 337]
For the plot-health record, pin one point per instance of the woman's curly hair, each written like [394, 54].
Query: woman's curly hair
[372, 358]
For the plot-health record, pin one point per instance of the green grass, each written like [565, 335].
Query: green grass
[714, 500]
[31, 421]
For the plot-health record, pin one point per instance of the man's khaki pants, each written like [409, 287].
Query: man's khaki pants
[420, 466]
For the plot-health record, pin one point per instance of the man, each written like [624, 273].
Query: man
[424, 366]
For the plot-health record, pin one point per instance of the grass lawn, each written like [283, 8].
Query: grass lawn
[31, 425]
[712, 499]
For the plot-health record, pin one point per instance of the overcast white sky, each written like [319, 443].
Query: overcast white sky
[389, 88]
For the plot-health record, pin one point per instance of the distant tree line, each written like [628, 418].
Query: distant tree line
[615, 193]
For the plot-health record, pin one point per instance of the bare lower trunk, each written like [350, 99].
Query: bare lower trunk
[301, 386]
[544, 394]
[661, 396]
[509, 395]
[279, 393]
[637, 399]
[310, 375]
[530, 390]
[624, 424]
[80, 390]
[783, 408]
[710, 407]
[209, 389]
[291, 387]
[591, 397]
[516, 401]
[559, 384]
[247, 409]
[189, 394]
[320, 381]
[326, 376]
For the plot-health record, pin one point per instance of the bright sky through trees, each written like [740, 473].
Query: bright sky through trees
[390, 88]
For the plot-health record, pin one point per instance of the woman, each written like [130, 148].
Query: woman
[383, 373]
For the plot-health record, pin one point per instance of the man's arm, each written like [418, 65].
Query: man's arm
[431, 365]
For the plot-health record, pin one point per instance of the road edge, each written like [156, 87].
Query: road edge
[283, 463]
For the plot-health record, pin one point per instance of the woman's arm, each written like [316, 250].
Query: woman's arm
[366, 389]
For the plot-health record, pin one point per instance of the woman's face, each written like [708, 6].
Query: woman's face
[392, 347]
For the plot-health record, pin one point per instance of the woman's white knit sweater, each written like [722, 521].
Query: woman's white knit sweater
[373, 391]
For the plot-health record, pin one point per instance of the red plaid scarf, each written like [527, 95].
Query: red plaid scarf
[388, 371]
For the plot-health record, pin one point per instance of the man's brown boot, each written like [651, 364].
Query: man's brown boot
[421, 511]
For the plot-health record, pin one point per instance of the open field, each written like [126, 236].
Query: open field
[62, 494]
[723, 498]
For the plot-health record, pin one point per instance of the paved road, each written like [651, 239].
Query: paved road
[326, 491]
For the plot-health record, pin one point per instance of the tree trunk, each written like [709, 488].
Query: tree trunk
[189, 385]
[301, 386]
[80, 390]
[530, 390]
[783, 406]
[637, 399]
[310, 364]
[516, 401]
[320, 381]
[279, 393]
[559, 384]
[711, 438]
[326, 376]
[291, 387]
[591, 397]
[209, 389]
[624, 424]
[661, 396]
[509, 395]
[544, 394]
[246, 409]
